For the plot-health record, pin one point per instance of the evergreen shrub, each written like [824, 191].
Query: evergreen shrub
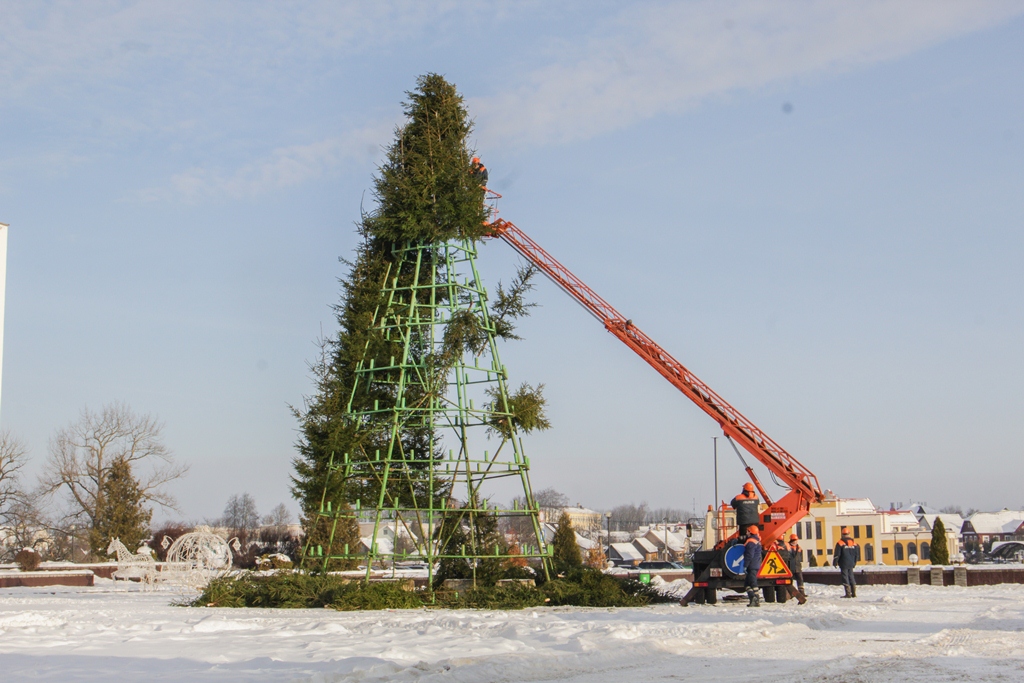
[583, 587]
[939, 553]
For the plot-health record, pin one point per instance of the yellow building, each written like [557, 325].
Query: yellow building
[584, 521]
[885, 537]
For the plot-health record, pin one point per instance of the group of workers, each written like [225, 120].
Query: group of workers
[845, 556]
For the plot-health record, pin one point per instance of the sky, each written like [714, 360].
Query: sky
[815, 206]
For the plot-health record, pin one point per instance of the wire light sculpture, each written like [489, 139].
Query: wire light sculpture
[196, 558]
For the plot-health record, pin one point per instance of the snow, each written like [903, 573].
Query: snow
[906, 633]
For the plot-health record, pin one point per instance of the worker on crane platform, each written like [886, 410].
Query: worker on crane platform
[846, 556]
[747, 507]
[479, 172]
[752, 564]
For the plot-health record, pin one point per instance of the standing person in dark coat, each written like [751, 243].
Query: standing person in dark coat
[747, 508]
[479, 171]
[796, 560]
[752, 552]
[846, 556]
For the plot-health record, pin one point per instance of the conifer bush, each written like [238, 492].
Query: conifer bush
[120, 511]
[565, 555]
[939, 552]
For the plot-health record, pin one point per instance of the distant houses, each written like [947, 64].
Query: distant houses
[982, 529]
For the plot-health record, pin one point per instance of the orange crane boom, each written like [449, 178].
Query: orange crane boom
[803, 484]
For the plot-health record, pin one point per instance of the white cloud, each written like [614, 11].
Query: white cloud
[284, 167]
[664, 58]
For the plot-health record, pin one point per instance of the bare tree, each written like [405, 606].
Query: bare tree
[658, 515]
[549, 501]
[12, 459]
[240, 514]
[17, 515]
[82, 454]
[629, 517]
[280, 516]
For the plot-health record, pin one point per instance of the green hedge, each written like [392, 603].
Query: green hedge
[583, 587]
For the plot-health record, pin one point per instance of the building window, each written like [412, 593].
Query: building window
[868, 531]
[926, 551]
[869, 553]
[898, 551]
[817, 529]
[911, 549]
[856, 531]
[797, 530]
[810, 556]
[807, 530]
[819, 551]
[885, 551]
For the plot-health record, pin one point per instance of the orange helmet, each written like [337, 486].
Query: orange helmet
[752, 529]
[476, 160]
[846, 530]
[748, 487]
[792, 537]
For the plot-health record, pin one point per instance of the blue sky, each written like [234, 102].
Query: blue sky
[816, 206]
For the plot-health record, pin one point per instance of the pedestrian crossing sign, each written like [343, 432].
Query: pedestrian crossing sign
[774, 567]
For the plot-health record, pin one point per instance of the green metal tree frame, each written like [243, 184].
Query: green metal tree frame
[421, 416]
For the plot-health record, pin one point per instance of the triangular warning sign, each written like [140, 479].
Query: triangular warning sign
[774, 567]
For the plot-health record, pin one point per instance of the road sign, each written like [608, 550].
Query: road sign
[774, 567]
[734, 559]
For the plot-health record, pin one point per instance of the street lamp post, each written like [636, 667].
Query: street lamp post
[608, 532]
[666, 539]
[715, 440]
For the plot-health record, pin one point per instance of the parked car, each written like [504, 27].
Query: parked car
[659, 565]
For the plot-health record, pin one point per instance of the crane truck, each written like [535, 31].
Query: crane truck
[716, 568]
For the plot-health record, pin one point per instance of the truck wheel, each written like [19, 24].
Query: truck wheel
[769, 593]
[711, 595]
[781, 594]
[699, 597]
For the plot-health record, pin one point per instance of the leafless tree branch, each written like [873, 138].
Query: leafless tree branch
[82, 453]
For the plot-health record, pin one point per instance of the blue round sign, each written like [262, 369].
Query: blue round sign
[734, 559]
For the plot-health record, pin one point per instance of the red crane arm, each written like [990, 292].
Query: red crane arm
[802, 482]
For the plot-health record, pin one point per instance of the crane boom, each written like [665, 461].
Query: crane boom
[803, 483]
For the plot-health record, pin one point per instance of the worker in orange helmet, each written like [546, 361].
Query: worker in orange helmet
[747, 507]
[479, 171]
[752, 552]
[796, 560]
[846, 556]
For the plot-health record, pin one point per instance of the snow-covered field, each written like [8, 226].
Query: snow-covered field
[890, 633]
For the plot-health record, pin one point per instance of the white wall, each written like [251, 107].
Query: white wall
[3, 294]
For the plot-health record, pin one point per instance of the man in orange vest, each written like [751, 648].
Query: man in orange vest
[846, 556]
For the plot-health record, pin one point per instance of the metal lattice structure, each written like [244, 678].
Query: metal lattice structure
[196, 558]
[131, 565]
[433, 426]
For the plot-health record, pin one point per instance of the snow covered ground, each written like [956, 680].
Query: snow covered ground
[112, 632]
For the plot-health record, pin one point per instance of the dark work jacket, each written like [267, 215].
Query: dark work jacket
[747, 512]
[480, 173]
[846, 554]
[796, 557]
[752, 553]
